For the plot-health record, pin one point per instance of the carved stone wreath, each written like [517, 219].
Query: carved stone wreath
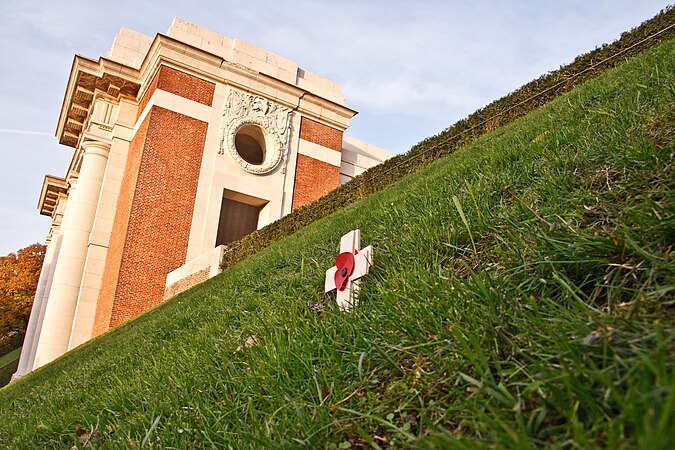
[243, 110]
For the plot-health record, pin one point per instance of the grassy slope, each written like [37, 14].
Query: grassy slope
[549, 326]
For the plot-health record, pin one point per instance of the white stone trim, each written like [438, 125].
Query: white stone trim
[174, 103]
[274, 120]
[358, 156]
[241, 53]
[211, 260]
[351, 170]
[320, 152]
[196, 242]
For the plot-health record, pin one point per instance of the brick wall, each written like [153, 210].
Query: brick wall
[152, 224]
[187, 282]
[148, 94]
[154, 212]
[161, 212]
[179, 83]
[185, 85]
[315, 178]
[118, 235]
[318, 133]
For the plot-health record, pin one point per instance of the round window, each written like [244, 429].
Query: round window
[250, 144]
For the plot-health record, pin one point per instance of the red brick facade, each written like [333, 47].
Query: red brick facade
[318, 133]
[187, 86]
[152, 226]
[179, 83]
[314, 178]
[111, 270]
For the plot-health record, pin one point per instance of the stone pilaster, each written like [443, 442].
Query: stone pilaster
[75, 231]
[99, 240]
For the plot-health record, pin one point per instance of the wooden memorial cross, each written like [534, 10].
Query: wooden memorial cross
[350, 265]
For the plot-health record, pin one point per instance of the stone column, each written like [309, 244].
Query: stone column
[99, 240]
[61, 207]
[76, 228]
[27, 352]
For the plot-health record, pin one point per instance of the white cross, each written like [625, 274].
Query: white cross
[363, 259]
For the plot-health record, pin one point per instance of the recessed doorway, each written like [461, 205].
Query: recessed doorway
[239, 216]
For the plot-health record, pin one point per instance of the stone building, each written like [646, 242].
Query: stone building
[182, 143]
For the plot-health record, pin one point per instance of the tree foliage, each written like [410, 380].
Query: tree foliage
[19, 274]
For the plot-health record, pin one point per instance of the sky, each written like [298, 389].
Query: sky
[411, 68]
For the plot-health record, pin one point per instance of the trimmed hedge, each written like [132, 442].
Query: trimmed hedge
[500, 112]
[8, 365]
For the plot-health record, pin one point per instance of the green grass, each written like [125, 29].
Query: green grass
[522, 296]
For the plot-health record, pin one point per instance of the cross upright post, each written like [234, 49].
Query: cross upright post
[350, 266]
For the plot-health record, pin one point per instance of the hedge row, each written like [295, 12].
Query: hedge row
[498, 113]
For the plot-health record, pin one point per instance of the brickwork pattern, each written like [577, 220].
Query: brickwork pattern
[148, 94]
[179, 83]
[118, 235]
[187, 282]
[313, 179]
[318, 133]
[185, 85]
[161, 212]
[155, 215]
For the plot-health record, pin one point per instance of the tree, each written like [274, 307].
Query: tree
[19, 274]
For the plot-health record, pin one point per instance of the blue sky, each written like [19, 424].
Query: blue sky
[410, 68]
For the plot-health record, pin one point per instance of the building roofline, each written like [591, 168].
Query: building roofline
[52, 187]
[86, 76]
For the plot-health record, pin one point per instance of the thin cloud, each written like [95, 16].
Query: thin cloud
[31, 132]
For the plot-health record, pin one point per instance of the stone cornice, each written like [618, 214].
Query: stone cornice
[171, 52]
[52, 187]
[88, 76]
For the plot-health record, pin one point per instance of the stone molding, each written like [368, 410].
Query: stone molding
[193, 272]
[52, 189]
[96, 148]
